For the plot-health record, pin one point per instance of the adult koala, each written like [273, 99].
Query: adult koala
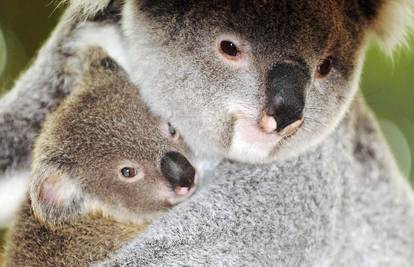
[253, 81]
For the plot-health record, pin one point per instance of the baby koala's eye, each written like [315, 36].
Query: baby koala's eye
[229, 48]
[129, 172]
[324, 67]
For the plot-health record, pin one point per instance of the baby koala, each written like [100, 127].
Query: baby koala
[103, 167]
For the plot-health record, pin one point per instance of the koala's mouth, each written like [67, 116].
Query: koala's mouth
[251, 143]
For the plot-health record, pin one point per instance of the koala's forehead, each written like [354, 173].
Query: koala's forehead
[122, 140]
[287, 21]
[107, 124]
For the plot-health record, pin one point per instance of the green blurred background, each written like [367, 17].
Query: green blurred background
[388, 85]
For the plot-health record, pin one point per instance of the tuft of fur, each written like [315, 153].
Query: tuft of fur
[67, 189]
[87, 8]
[393, 24]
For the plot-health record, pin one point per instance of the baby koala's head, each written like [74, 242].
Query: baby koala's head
[103, 151]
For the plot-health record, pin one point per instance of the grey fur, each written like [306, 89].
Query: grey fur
[311, 211]
[250, 212]
[34, 95]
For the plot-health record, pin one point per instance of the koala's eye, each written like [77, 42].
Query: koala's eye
[324, 67]
[233, 50]
[129, 172]
[171, 130]
[229, 48]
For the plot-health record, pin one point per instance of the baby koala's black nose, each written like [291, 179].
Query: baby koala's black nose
[177, 170]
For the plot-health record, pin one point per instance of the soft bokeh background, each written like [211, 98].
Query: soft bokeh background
[388, 85]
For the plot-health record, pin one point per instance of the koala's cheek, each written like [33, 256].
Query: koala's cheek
[250, 143]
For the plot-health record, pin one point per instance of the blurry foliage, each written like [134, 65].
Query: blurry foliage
[24, 26]
[387, 84]
[388, 87]
[2, 236]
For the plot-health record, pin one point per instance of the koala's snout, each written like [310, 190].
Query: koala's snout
[285, 93]
[177, 170]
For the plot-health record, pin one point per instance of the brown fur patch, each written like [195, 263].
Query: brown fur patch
[79, 243]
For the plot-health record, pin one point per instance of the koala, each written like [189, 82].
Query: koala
[254, 82]
[263, 101]
[278, 73]
[103, 167]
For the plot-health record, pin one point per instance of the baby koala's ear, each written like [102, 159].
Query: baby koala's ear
[56, 197]
[390, 20]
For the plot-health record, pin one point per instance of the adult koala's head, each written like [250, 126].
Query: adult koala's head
[254, 80]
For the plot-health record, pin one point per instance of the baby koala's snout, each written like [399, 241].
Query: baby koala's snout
[178, 170]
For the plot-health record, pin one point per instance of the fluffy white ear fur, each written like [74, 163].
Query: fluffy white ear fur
[86, 8]
[393, 24]
[55, 197]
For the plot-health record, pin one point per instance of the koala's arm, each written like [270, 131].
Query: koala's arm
[36, 93]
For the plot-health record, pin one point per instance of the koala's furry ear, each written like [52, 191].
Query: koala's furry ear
[390, 20]
[87, 8]
[55, 197]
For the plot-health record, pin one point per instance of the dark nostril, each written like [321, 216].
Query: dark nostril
[285, 121]
[285, 115]
[177, 169]
[291, 128]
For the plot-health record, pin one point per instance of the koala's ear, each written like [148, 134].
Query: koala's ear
[56, 197]
[390, 20]
[90, 8]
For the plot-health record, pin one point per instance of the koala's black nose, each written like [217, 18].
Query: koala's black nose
[177, 170]
[285, 93]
